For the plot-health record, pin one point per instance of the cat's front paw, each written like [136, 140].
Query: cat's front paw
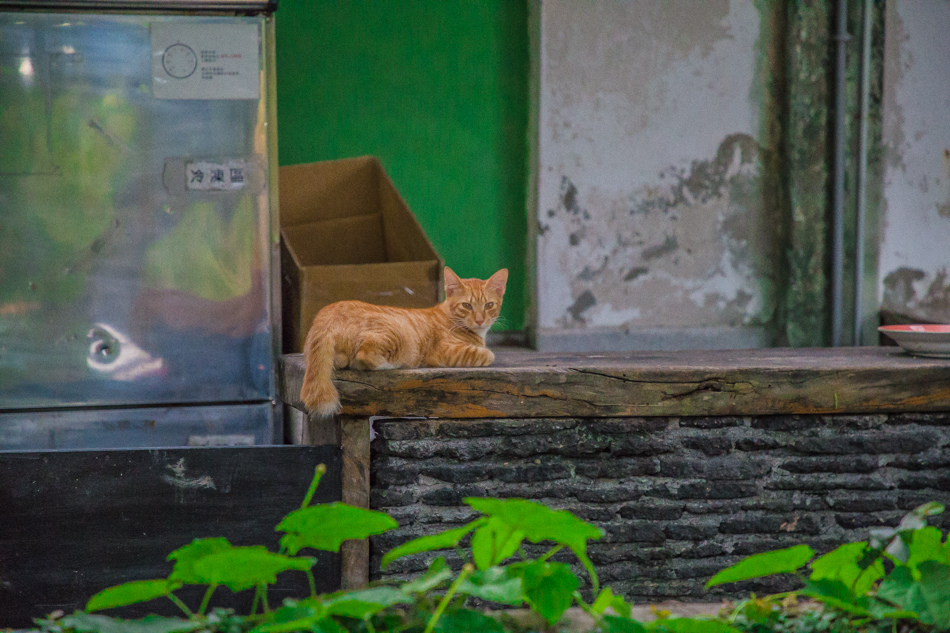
[485, 358]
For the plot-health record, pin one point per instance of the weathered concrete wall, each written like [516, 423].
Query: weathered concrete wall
[915, 228]
[678, 498]
[654, 207]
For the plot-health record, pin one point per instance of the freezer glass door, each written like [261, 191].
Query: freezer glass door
[135, 229]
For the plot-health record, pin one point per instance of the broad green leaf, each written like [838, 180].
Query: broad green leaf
[835, 593]
[898, 548]
[878, 538]
[293, 616]
[540, 523]
[883, 611]
[549, 588]
[241, 568]
[782, 561]
[692, 625]
[912, 521]
[467, 621]
[328, 625]
[900, 545]
[364, 603]
[325, 624]
[437, 574]
[927, 544]
[621, 606]
[871, 556]
[311, 623]
[900, 588]
[843, 564]
[483, 545]
[494, 542]
[326, 526]
[603, 601]
[607, 600]
[614, 624]
[496, 584]
[131, 593]
[442, 540]
[185, 558]
[935, 589]
[92, 623]
[928, 599]
[930, 509]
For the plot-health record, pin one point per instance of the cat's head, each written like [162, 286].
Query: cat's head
[475, 303]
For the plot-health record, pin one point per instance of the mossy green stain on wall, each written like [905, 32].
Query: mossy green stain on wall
[438, 91]
[809, 135]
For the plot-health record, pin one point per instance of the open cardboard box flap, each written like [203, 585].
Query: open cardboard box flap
[346, 233]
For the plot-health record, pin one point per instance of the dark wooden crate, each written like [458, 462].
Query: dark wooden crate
[75, 522]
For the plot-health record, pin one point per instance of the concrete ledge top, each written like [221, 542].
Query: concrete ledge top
[527, 384]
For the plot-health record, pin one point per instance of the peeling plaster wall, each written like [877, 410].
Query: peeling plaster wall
[652, 206]
[915, 230]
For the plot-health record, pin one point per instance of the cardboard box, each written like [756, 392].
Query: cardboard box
[346, 233]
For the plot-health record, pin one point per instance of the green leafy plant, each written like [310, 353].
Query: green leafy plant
[548, 588]
[898, 580]
[899, 576]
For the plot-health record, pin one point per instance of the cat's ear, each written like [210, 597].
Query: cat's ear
[498, 281]
[452, 283]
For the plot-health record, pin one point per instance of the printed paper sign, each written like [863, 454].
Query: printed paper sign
[208, 176]
[205, 61]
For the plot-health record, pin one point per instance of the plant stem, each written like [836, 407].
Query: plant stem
[207, 599]
[467, 569]
[313, 583]
[257, 599]
[551, 552]
[583, 605]
[181, 605]
[263, 589]
[317, 476]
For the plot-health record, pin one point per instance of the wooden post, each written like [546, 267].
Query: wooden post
[351, 434]
[354, 442]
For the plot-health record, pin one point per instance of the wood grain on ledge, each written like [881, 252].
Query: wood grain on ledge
[687, 383]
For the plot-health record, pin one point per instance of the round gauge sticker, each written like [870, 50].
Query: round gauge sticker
[179, 61]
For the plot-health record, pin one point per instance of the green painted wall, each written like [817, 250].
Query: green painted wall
[439, 92]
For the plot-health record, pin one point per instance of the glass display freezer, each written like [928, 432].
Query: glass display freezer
[138, 223]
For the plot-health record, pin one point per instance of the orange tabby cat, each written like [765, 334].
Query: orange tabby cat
[364, 336]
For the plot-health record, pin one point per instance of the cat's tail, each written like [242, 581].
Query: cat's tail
[318, 392]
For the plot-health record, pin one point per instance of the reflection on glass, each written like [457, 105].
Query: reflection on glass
[113, 354]
[97, 227]
[26, 71]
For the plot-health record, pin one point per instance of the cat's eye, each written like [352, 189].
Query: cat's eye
[489, 305]
[467, 306]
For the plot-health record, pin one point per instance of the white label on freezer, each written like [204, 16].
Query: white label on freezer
[205, 61]
[208, 176]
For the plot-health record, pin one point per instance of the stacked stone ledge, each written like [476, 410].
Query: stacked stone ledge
[678, 498]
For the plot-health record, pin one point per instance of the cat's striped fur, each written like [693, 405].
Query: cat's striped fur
[365, 336]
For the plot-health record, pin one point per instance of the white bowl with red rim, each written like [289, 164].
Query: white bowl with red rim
[920, 339]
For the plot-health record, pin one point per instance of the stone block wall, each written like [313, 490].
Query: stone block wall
[678, 498]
